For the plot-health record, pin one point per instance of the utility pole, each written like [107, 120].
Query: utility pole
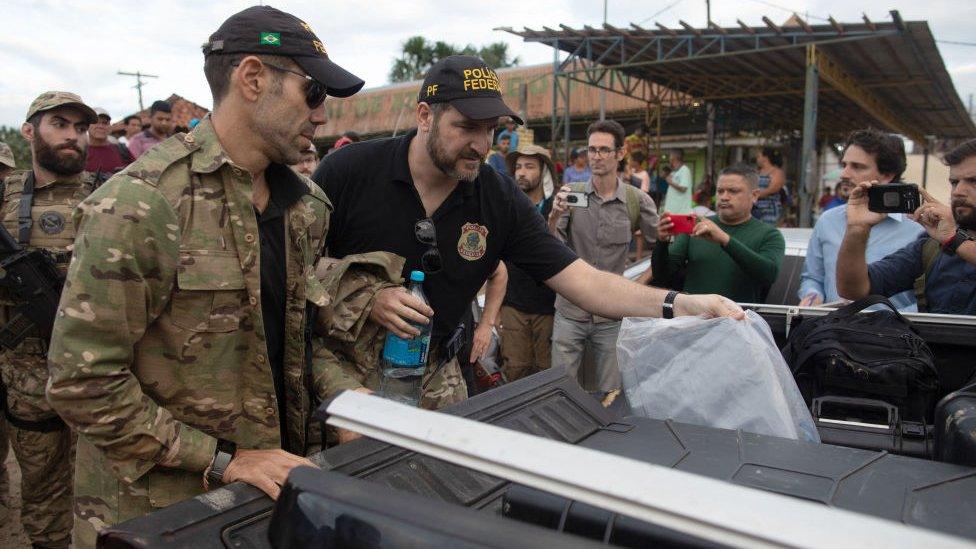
[708, 12]
[139, 83]
[603, 91]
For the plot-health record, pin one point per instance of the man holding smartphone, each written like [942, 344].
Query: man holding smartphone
[731, 254]
[597, 220]
[940, 266]
[869, 155]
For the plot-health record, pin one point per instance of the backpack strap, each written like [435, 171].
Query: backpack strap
[632, 200]
[24, 220]
[633, 207]
[930, 251]
[125, 153]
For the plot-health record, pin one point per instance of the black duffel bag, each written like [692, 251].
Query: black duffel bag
[876, 355]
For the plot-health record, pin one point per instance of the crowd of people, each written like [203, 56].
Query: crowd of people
[222, 282]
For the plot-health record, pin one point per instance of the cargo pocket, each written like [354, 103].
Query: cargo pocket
[210, 292]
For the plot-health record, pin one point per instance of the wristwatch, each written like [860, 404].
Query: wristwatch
[950, 246]
[222, 455]
[668, 304]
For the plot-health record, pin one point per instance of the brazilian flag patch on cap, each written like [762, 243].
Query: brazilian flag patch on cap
[271, 39]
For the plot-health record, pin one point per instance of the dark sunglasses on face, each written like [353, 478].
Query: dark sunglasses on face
[315, 92]
[426, 234]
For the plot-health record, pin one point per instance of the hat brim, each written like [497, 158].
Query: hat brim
[483, 108]
[338, 81]
[90, 115]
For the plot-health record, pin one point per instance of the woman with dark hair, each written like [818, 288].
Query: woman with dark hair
[769, 207]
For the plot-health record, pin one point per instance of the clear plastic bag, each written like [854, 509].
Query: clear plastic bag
[718, 372]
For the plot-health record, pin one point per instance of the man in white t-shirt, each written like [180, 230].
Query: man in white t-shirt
[678, 198]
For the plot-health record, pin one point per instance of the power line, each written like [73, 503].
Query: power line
[789, 10]
[659, 12]
[956, 43]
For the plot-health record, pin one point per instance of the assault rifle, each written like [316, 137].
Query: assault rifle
[31, 279]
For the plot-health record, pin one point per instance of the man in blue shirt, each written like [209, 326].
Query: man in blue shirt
[579, 170]
[869, 155]
[497, 158]
[945, 256]
[511, 133]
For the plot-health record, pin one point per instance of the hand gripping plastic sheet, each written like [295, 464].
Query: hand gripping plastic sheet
[718, 372]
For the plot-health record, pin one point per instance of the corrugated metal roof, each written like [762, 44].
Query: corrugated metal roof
[761, 71]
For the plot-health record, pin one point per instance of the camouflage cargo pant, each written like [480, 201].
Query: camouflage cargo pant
[46, 459]
[526, 343]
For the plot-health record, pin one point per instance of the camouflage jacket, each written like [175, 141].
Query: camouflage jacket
[25, 369]
[159, 347]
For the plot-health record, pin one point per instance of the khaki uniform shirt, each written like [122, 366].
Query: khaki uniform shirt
[600, 234]
[25, 368]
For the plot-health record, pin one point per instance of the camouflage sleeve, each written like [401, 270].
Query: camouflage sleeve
[328, 375]
[350, 339]
[351, 284]
[118, 283]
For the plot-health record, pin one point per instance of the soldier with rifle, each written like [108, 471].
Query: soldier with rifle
[35, 249]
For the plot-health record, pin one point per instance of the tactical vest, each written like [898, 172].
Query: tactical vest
[41, 217]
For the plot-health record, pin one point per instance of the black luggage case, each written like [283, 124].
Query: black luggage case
[863, 423]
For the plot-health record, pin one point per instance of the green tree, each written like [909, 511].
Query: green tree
[19, 146]
[418, 55]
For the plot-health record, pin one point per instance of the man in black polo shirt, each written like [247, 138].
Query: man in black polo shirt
[428, 197]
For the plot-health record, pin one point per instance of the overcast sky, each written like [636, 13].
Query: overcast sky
[80, 45]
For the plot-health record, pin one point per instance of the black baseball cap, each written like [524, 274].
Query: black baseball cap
[269, 31]
[469, 85]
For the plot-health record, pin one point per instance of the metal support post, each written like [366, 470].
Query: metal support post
[925, 168]
[808, 160]
[710, 143]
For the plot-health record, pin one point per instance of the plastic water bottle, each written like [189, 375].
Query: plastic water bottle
[405, 360]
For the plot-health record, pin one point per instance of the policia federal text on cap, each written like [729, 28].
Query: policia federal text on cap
[181, 353]
[429, 197]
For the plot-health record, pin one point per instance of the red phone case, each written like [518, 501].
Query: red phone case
[683, 223]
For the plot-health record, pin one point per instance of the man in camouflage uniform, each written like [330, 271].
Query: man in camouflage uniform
[181, 330]
[36, 211]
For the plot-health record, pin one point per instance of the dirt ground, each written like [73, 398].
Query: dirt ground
[12, 536]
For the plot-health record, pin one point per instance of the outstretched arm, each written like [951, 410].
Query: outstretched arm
[613, 296]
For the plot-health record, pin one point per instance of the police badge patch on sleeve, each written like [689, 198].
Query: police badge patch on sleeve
[473, 241]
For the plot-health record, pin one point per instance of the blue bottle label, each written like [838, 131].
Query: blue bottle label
[406, 352]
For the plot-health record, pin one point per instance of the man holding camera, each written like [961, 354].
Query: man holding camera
[940, 265]
[869, 155]
[731, 254]
[597, 223]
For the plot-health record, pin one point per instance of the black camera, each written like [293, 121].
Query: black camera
[894, 198]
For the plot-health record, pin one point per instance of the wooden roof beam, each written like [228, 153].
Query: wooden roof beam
[806, 27]
[665, 29]
[868, 22]
[770, 24]
[717, 28]
[837, 26]
[745, 27]
[615, 30]
[689, 28]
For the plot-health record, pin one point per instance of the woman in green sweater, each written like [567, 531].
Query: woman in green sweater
[732, 253]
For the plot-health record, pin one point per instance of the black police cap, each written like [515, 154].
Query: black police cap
[469, 85]
[269, 31]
